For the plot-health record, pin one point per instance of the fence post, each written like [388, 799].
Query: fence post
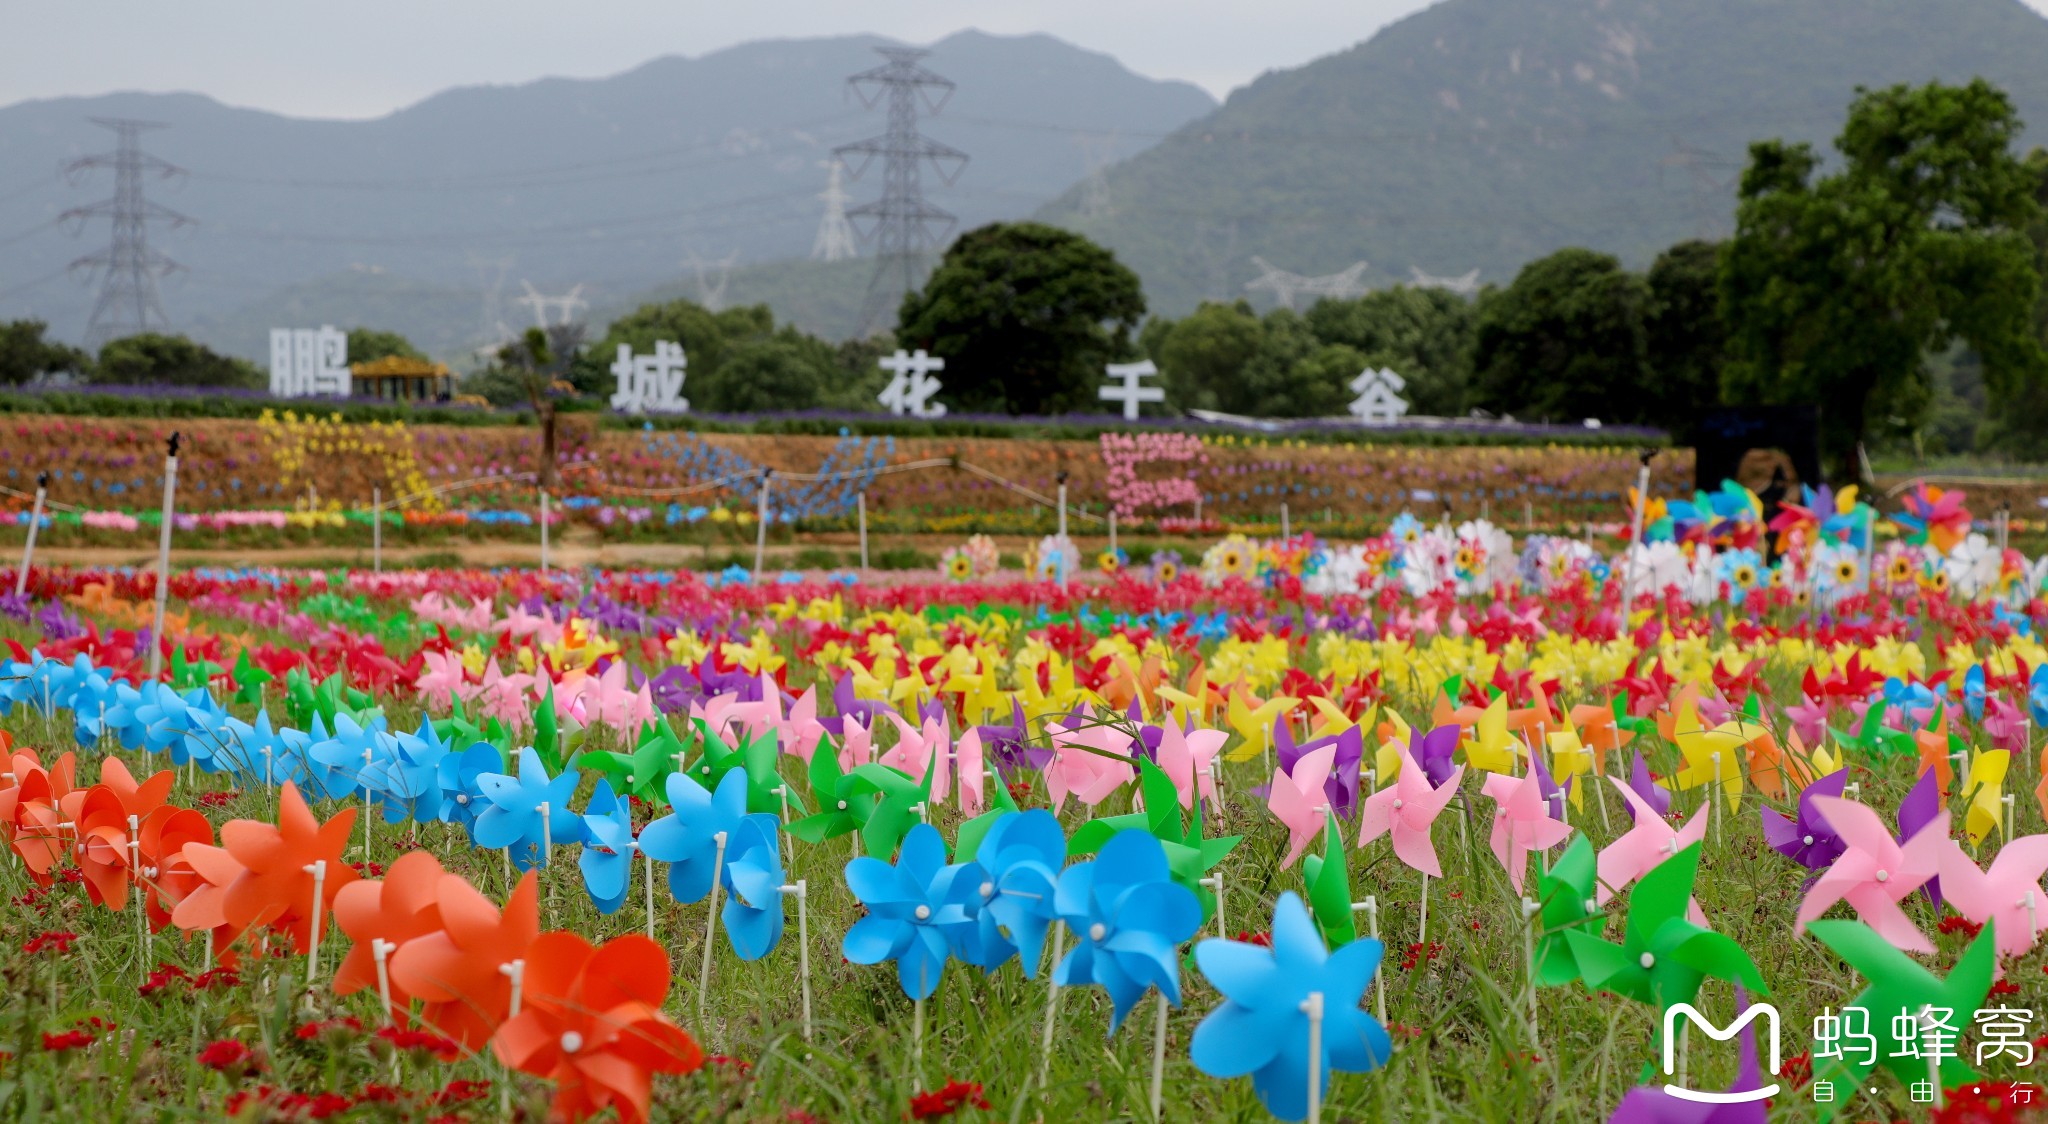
[861, 498]
[377, 530]
[761, 524]
[35, 520]
[543, 533]
[163, 558]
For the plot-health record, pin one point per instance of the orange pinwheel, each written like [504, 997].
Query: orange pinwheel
[167, 877]
[1934, 752]
[274, 885]
[29, 817]
[104, 845]
[136, 798]
[1598, 732]
[403, 905]
[465, 972]
[592, 1023]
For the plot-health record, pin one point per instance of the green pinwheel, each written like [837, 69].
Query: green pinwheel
[547, 732]
[1329, 887]
[899, 802]
[1873, 737]
[1566, 905]
[842, 808]
[644, 772]
[1899, 984]
[757, 757]
[1663, 958]
[1188, 855]
[967, 842]
[249, 680]
[329, 700]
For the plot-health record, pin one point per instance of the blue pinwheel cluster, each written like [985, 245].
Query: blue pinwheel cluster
[847, 469]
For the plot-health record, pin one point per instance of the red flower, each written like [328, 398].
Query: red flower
[56, 940]
[1956, 924]
[2004, 987]
[337, 1028]
[1797, 1070]
[460, 1092]
[740, 1065]
[947, 1100]
[1263, 940]
[374, 1093]
[228, 1056]
[1980, 1102]
[218, 799]
[67, 1040]
[420, 1042]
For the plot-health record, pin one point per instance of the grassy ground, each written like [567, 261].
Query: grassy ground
[1465, 1048]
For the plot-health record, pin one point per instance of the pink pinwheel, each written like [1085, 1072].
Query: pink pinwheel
[1522, 823]
[606, 698]
[856, 746]
[1809, 719]
[1647, 844]
[1876, 872]
[1405, 810]
[1184, 756]
[520, 623]
[718, 713]
[798, 732]
[1085, 763]
[2009, 893]
[2005, 725]
[1298, 799]
[443, 681]
[919, 749]
[433, 608]
[506, 697]
[969, 767]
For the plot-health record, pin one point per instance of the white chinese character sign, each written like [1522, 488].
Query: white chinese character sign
[911, 386]
[1379, 400]
[651, 384]
[309, 361]
[1126, 388]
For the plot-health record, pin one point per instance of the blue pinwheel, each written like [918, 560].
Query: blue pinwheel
[608, 849]
[2037, 695]
[1262, 1028]
[754, 879]
[687, 838]
[1128, 915]
[408, 780]
[348, 761]
[1973, 691]
[459, 779]
[513, 818]
[1021, 856]
[910, 905]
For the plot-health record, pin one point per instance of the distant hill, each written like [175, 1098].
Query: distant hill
[409, 220]
[1479, 134]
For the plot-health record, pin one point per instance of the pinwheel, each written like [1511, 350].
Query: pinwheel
[1406, 810]
[1663, 957]
[688, 838]
[1983, 787]
[249, 680]
[468, 970]
[106, 835]
[1254, 723]
[1329, 887]
[2008, 896]
[756, 759]
[168, 874]
[753, 872]
[1934, 517]
[1299, 802]
[1188, 854]
[1128, 915]
[380, 916]
[909, 906]
[608, 849]
[923, 753]
[1875, 872]
[899, 803]
[1654, 796]
[1491, 747]
[642, 773]
[285, 875]
[1021, 854]
[1521, 822]
[1566, 905]
[1646, 845]
[459, 779]
[1291, 1013]
[591, 1022]
[1091, 759]
[408, 782]
[1923, 802]
[527, 815]
[442, 682]
[842, 806]
[1899, 985]
[1711, 756]
[1742, 1103]
[1808, 839]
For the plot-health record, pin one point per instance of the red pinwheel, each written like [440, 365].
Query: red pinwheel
[593, 1025]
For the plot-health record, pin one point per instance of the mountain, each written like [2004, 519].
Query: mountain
[425, 215]
[1484, 133]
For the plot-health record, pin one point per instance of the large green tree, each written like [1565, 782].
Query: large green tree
[26, 355]
[1837, 287]
[1564, 342]
[786, 371]
[1202, 355]
[1686, 340]
[156, 359]
[1025, 315]
[1423, 334]
[367, 345]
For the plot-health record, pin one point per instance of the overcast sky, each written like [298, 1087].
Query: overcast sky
[364, 58]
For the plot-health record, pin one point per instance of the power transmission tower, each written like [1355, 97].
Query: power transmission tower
[711, 296]
[128, 303]
[1285, 285]
[903, 224]
[1465, 284]
[1709, 176]
[565, 305]
[835, 234]
[491, 327]
[1098, 152]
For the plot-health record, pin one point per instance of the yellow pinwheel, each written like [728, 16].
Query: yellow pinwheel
[1254, 723]
[1491, 747]
[1569, 757]
[1985, 788]
[1710, 755]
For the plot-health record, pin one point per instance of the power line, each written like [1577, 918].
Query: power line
[835, 234]
[128, 303]
[902, 222]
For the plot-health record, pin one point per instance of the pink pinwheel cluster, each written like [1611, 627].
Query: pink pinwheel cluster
[435, 609]
[1129, 493]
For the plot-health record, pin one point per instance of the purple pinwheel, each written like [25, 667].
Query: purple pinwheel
[1340, 789]
[868, 713]
[1650, 1104]
[1433, 751]
[1916, 811]
[1008, 747]
[1808, 840]
[1652, 793]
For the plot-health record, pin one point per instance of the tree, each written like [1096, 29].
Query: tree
[367, 345]
[1837, 287]
[706, 338]
[160, 360]
[25, 355]
[535, 366]
[1424, 335]
[787, 371]
[1565, 341]
[1201, 356]
[1686, 339]
[1293, 374]
[1025, 315]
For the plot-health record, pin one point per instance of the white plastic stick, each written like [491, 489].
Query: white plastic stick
[761, 524]
[710, 928]
[1215, 883]
[163, 560]
[318, 869]
[1159, 1057]
[380, 951]
[1422, 932]
[1052, 1009]
[799, 890]
[1313, 1008]
[35, 519]
[1370, 906]
[1529, 911]
[650, 892]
